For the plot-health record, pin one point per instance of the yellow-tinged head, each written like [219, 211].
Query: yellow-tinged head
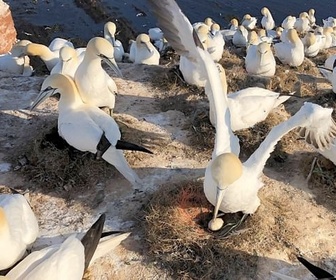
[264, 11]
[110, 28]
[208, 21]
[226, 169]
[202, 30]
[262, 32]
[234, 22]
[247, 17]
[37, 49]
[215, 27]
[100, 46]
[327, 30]
[264, 47]
[253, 38]
[292, 35]
[142, 38]
[67, 53]
[310, 39]
[311, 12]
[304, 15]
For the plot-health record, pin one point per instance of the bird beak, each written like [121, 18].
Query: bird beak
[147, 44]
[219, 198]
[113, 40]
[43, 95]
[112, 63]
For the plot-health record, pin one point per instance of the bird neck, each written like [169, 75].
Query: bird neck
[4, 228]
[69, 96]
[258, 159]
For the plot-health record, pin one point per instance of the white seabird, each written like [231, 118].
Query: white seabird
[228, 33]
[18, 228]
[66, 261]
[240, 192]
[267, 21]
[291, 52]
[15, 62]
[110, 29]
[86, 127]
[239, 39]
[302, 23]
[260, 60]
[311, 45]
[249, 22]
[95, 86]
[144, 51]
[215, 42]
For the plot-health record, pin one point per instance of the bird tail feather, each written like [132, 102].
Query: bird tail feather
[117, 159]
[107, 244]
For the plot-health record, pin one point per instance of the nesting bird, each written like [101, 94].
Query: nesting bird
[95, 86]
[240, 37]
[15, 62]
[215, 42]
[18, 228]
[311, 45]
[291, 52]
[68, 63]
[110, 29]
[267, 21]
[228, 33]
[249, 22]
[260, 60]
[144, 52]
[237, 191]
[302, 23]
[86, 127]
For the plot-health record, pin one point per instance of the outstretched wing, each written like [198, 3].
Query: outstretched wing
[180, 34]
[316, 119]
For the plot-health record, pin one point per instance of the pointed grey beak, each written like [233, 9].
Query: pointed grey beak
[112, 63]
[148, 46]
[113, 40]
[43, 95]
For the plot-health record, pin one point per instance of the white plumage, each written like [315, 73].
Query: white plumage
[242, 195]
[95, 86]
[18, 228]
[82, 125]
[109, 34]
[144, 52]
[267, 21]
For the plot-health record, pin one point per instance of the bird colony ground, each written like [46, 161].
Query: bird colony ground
[167, 213]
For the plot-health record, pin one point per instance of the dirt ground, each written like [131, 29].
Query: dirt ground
[69, 189]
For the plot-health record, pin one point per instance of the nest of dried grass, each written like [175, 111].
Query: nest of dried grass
[54, 165]
[178, 239]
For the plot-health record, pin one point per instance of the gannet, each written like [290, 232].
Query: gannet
[109, 34]
[288, 22]
[95, 86]
[329, 22]
[58, 43]
[156, 36]
[311, 17]
[207, 23]
[320, 37]
[264, 37]
[49, 57]
[232, 191]
[318, 272]
[252, 39]
[302, 24]
[327, 31]
[18, 228]
[144, 51]
[240, 37]
[311, 45]
[259, 60]
[68, 63]
[215, 42]
[15, 62]
[86, 127]
[249, 22]
[267, 21]
[228, 33]
[66, 261]
[291, 52]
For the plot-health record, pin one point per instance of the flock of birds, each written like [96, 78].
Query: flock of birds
[85, 87]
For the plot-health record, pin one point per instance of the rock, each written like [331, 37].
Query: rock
[7, 29]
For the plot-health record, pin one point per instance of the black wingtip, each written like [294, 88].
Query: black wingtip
[123, 145]
[319, 273]
[108, 233]
[91, 239]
